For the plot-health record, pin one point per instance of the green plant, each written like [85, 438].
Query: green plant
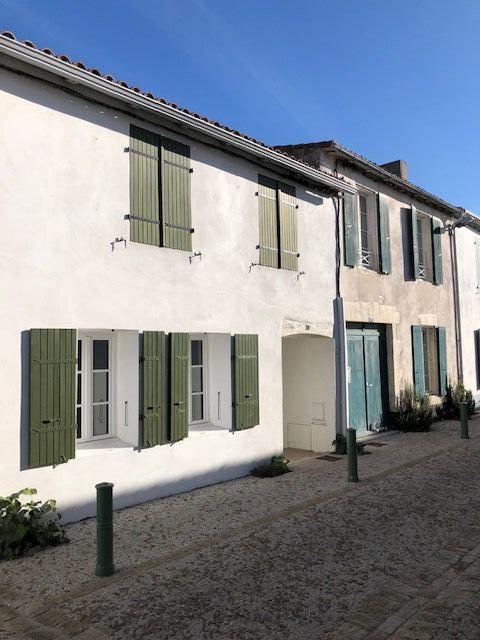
[340, 444]
[412, 411]
[450, 407]
[28, 524]
[276, 467]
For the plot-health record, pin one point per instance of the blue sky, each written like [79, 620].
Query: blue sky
[387, 78]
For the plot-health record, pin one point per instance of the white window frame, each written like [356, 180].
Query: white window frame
[365, 255]
[425, 267]
[87, 339]
[203, 338]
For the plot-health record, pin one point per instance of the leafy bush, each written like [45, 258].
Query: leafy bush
[412, 412]
[451, 402]
[276, 467]
[28, 524]
[340, 444]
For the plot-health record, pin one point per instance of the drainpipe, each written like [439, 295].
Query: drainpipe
[339, 334]
[456, 303]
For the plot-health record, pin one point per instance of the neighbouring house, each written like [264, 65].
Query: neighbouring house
[467, 246]
[397, 284]
[166, 281]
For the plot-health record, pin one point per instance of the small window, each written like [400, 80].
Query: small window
[368, 232]
[430, 358]
[425, 249]
[198, 395]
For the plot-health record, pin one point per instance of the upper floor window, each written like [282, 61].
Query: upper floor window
[367, 231]
[160, 209]
[477, 257]
[277, 224]
[426, 247]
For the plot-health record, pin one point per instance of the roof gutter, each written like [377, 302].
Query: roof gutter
[137, 101]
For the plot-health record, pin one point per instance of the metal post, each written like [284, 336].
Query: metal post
[352, 455]
[464, 420]
[104, 529]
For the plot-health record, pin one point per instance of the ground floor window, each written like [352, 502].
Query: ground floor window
[94, 387]
[197, 382]
[430, 358]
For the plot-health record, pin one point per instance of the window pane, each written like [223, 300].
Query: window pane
[100, 420]
[197, 379]
[100, 386]
[197, 407]
[79, 422]
[79, 389]
[100, 354]
[197, 353]
[79, 355]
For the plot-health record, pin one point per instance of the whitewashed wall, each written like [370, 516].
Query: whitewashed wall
[64, 193]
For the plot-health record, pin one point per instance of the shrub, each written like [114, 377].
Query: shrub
[276, 467]
[28, 524]
[340, 444]
[455, 394]
[412, 411]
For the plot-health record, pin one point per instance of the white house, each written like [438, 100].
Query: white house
[165, 282]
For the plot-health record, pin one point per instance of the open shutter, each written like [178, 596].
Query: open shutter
[245, 381]
[176, 206]
[53, 357]
[414, 242]
[154, 401]
[268, 221]
[288, 227]
[350, 228]
[477, 355]
[179, 343]
[437, 251]
[144, 186]
[418, 362]
[442, 359]
[384, 228]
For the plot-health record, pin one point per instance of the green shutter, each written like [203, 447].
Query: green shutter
[144, 186]
[442, 360]
[384, 228]
[287, 208]
[268, 221]
[415, 271]
[350, 228]
[179, 344]
[418, 363]
[53, 357]
[477, 354]
[437, 251]
[477, 251]
[176, 205]
[245, 381]
[154, 403]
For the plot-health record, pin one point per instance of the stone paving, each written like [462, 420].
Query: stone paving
[305, 555]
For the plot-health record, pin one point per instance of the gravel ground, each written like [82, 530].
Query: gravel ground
[249, 559]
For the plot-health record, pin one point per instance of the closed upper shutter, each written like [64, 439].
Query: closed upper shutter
[414, 242]
[350, 228]
[418, 362]
[154, 399]
[53, 360]
[442, 360]
[437, 251]
[288, 227]
[268, 221]
[179, 343]
[245, 381]
[144, 186]
[477, 355]
[176, 206]
[384, 228]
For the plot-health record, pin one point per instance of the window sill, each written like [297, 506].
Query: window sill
[205, 427]
[97, 446]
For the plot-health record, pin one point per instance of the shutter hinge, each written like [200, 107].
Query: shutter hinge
[192, 230]
[296, 206]
[126, 150]
[190, 171]
[126, 216]
[257, 193]
[257, 247]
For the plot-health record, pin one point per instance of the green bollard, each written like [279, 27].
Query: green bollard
[352, 455]
[464, 420]
[104, 566]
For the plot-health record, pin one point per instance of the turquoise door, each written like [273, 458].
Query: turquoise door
[365, 398]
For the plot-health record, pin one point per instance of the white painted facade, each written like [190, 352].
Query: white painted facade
[467, 238]
[63, 197]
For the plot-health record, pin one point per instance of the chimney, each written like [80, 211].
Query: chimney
[397, 167]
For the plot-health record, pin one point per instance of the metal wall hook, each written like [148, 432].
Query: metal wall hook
[114, 242]
[197, 254]
[300, 273]
[254, 264]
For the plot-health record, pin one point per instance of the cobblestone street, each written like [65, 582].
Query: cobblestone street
[304, 555]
